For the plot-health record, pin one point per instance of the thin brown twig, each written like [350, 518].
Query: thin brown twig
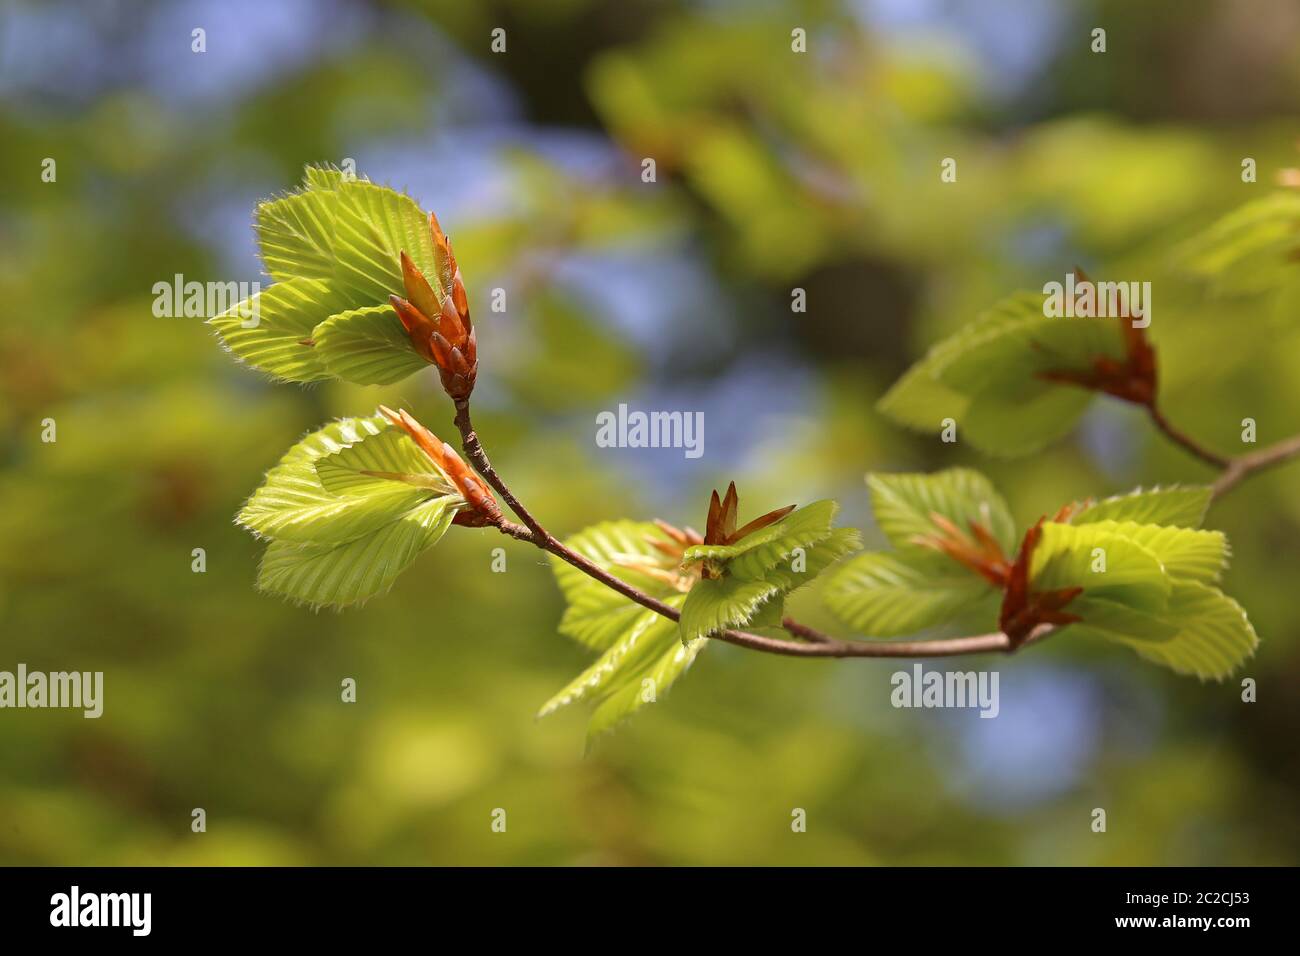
[1188, 443]
[814, 643]
[473, 448]
[1244, 465]
[1232, 469]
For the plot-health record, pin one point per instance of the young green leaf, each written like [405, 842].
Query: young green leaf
[991, 378]
[324, 177]
[1251, 249]
[334, 437]
[649, 636]
[1014, 410]
[796, 570]
[1184, 552]
[716, 604]
[272, 330]
[1001, 363]
[373, 225]
[294, 504]
[1214, 635]
[920, 399]
[1022, 418]
[377, 463]
[903, 503]
[366, 346]
[645, 685]
[890, 594]
[1181, 506]
[335, 247]
[337, 575]
[595, 615]
[294, 235]
[756, 553]
[1114, 621]
[1103, 563]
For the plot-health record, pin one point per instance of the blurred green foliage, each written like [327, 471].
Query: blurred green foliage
[774, 171]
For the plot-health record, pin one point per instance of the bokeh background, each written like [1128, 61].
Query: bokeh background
[775, 171]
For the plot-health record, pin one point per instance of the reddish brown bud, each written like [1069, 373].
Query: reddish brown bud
[436, 316]
[450, 324]
[1024, 609]
[483, 509]
[720, 525]
[684, 536]
[419, 329]
[459, 299]
[441, 349]
[982, 554]
[418, 290]
[1132, 379]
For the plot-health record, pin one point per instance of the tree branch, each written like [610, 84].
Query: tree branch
[814, 643]
[1232, 469]
[473, 448]
[1188, 444]
[1244, 465]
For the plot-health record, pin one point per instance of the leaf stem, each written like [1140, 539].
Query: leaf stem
[814, 643]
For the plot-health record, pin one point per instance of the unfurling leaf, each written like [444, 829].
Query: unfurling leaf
[717, 604]
[647, 684]
[1016, 379]
[1180, 506]
[272, 331]
[1214, 636]
[746, 572]
[292, 503]
[1132, 568]
[636, 670]
[760, 551]
[888, 595]
[642, 649]
[1068, 557]
[632, 551]
[366, 346]
[638, 644]
[346, 509]
[904, 505]
[336, 575]
[336, 247]
[1185, 553]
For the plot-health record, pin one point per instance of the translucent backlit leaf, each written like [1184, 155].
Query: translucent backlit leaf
[1214, 635]
[888, 594]
[293, 504]
[648, 637]
[716, 604]
[798, 569]
[1103, 563]
[595, 615]
[648, 684]
[366, 346]
[373, 225]
[337, 575]
[272, 330]
[1181, 506]
[903, 503]
[1184, 552]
